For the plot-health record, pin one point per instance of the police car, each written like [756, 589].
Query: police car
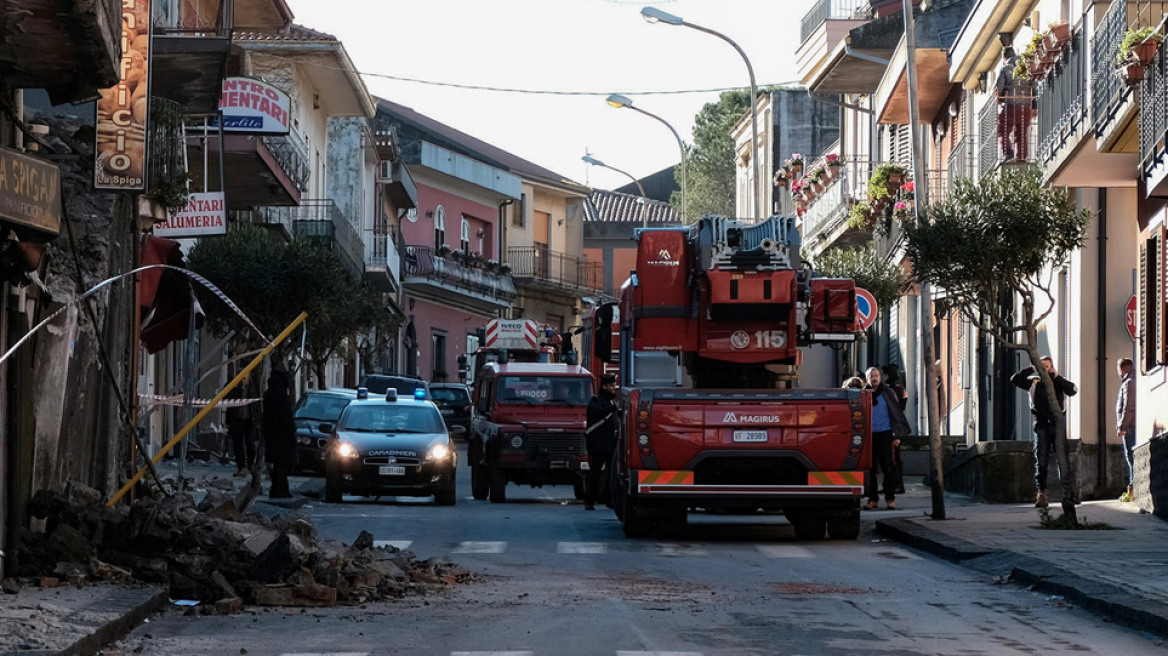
[390, 446]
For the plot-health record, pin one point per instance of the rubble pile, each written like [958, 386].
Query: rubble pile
[212, 553]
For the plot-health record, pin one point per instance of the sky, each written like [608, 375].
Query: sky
[584, 49]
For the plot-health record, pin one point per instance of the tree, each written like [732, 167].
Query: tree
[273, 282]
[710, 160]
[885, 281]
[1005, 233]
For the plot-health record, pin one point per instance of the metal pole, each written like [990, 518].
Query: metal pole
[644, 199]
[680, 148]
[925, 324]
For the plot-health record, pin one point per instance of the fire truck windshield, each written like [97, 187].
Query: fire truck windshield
[549, 390]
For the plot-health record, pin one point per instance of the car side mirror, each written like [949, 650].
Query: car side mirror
[326, 428]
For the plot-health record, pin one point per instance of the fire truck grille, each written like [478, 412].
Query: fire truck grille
[555, 444]
[750, 471]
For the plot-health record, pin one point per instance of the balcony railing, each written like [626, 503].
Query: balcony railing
[321, 221]
[962, 163]
[1154, 106]
[555, 268]
[291, 153]
[425, 262]
[849, 185]
[167, 178]
[1107, 91]
[825, 10]
[1006, 130]
[1062, 99]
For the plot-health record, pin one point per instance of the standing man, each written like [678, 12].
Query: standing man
[1044, 417]
[600, 437]
[279, 433]
[241, 426]
[1125, 420]
[1015, 100]
[888, 426]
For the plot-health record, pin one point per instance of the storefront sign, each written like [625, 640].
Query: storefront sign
[30, 192]
[252, 106]
[123, 110]
[204, 215]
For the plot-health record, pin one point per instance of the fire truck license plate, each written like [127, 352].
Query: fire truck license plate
[750, 436]
[390, 470]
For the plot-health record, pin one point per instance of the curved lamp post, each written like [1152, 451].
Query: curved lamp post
[619, 101]
[655, 15]
[644, 199]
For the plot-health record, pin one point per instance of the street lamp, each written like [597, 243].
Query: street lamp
[655, 15]
[619, 101]
[588, 159]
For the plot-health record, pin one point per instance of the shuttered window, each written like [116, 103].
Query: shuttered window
[1151, 300]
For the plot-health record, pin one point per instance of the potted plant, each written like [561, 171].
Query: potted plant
[1139, 45]
[886, 178]
[901, 211]
[1057, 35]
[860, 216]
[781, 178]
[795, 163]
[1132, 73]
[833, 160]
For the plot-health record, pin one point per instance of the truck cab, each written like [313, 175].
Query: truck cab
[528, 427]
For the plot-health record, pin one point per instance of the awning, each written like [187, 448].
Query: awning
[164, 295]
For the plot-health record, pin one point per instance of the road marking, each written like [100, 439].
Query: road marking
[491, 653]
[400, 545]
[480, 548]
[677, 549]
[581, 548]
[784, 551]
[329, 653]
[658, 653]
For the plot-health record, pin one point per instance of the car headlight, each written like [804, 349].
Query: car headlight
[438, 452]
[346, 450]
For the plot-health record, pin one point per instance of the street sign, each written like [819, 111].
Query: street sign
[866, 308]
[1129, 317]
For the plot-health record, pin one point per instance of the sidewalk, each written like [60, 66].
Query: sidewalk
[1121, 574]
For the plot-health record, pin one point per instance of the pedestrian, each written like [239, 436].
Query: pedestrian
[1125, 420]
[888, 426]
[1015, 108]
[600, 438]
[893, 379]
[241, 427]
[855, 382]
[279, 433]
[1044, 417]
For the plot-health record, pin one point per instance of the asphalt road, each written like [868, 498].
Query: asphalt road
[556, 579]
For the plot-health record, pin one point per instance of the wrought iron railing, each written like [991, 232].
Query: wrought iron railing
[824, 10]
[167, 178]
[547, 266]
[1154, 106]
[1107, 91]
[381, 248]
[291, 153]
[1006, 132]
[424, 262]
[321, 221]
[1061, 105]
[206, 18]
[848, 186]
[962, 162]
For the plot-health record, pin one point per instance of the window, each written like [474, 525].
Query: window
[464, 235]
[438, 355]
[1151, 300]
[439, 227]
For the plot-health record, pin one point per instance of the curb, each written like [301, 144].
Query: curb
[136, 607]
[1099, 597]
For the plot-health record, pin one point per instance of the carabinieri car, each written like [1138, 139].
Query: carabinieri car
[390, 446]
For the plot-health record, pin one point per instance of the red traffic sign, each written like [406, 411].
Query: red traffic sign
[865, 308]
[1129, 317]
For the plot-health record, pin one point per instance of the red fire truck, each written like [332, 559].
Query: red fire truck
[513, 340]
[711, 324]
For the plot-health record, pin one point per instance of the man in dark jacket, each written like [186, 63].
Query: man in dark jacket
[600, 436]
[279, 433]
[241, 426]
[1125, 420]
[1044, 417]
[888, 426]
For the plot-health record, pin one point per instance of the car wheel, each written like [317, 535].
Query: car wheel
[445, 495]
[845, 526]
[498, 485]
[480, 481]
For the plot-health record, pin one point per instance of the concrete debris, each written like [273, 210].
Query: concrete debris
[214, 554]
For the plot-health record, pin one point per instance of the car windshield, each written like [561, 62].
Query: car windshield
[450, 395]
[556, 390]
[324, 407]
[392, 418]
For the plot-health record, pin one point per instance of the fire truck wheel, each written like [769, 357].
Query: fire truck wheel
[808, 525]
[845, 526]
[498, 481]
[480, 481]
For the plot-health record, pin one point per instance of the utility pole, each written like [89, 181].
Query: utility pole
[925, 322]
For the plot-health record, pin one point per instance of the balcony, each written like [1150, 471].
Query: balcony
[322, 223]
[265, 170]
[399, 184]
[72, 51]
[1113, 105]
[443, 278]
[191, 45]
[166, 179]
[382, 260]
[554, 271]
[823, 33]
[1007, 132]
[1153, 123]
[825, 220]
[977, 49]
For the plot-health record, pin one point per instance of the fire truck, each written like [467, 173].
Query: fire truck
[513, 340]
[711, 326]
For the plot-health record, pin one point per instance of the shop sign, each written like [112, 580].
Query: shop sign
[205, 214]
[122, 111]
[30, 192]
[254, 107]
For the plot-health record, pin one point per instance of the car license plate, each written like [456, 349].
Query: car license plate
[750, 436]
[391, 470]
[448, 411]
